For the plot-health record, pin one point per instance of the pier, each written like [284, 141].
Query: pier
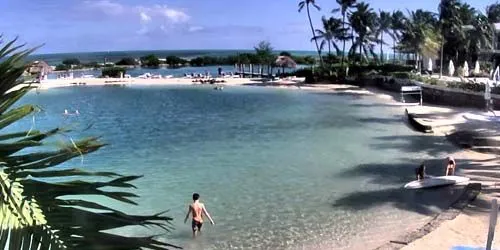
[250, 70]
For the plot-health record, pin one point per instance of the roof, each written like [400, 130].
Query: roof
[39, 66]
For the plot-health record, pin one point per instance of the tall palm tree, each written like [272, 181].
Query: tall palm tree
[384, 26]
[450, 18]
[479, 37]
[363, 21]
[345, 5]
[46, 207]
[397, 25]
[493, 12]
[306, 4]
[420, 34]
[332, 31]
[493, 15]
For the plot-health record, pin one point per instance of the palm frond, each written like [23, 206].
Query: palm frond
[38, 205]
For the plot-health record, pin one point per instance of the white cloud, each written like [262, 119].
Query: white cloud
[152, 17]
[105, 7]
[145, 18]
[195, 28]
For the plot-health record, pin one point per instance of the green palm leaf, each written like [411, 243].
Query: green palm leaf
[44, 207]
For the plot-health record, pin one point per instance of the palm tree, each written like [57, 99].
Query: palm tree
[384, 26]
[420, 34]
[493, 15]
[363, 21]
[479, 37]
[306, 4]
[332, 31]
[34, 214]
[450, 17]
[397, 25]
[344, 6]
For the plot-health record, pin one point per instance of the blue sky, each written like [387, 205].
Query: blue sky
[101, 25]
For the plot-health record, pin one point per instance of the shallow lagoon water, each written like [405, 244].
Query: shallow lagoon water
[277, 168]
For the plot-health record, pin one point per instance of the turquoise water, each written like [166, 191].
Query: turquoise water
[269, 163]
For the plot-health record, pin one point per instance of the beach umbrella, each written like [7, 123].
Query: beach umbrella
[476, 68]
[466, 69]
[285, 62]
[451, 68]
[429, 65]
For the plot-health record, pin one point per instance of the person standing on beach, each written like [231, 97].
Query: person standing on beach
[196, 209]
[420, 172]
[450, 166]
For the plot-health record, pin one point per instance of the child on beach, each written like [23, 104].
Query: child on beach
[451, 165]
[420, 172]
[197, 208]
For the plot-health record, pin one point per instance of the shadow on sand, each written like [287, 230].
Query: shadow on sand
[423, 201]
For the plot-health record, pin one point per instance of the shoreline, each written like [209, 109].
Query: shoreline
[424, 237]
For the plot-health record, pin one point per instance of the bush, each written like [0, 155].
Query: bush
[93, 65]
[401, 75]
[71, 61]
[113, 72]
[61, 67]
[150, 61]
[129, 61]
[173, 61]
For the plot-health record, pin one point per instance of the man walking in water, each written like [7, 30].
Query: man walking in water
[196, 209]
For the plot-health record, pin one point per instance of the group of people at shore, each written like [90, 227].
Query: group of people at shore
[449, 170]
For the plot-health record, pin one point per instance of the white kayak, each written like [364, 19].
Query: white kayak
[435, 181]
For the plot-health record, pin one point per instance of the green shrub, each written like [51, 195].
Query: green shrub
[113, 71]
[401, 75]
[61, 67]
[127, 61]
[71, 61]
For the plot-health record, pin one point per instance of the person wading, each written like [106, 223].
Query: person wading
[196, 209]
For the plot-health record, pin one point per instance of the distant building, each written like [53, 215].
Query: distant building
[40, 70]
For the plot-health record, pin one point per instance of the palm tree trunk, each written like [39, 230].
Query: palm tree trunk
[360, 49]
[343, 46]
[394, 50]
[329, 48]
[315, 40]
[381, 51]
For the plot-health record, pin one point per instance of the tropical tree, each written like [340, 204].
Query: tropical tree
[453, 16]
[479, 37]
[384, 26]
[332, 32]
[493, 15]
[42, 204]
[264, 52]
[397, 25]
[364, 22]
[345, 5]
[306, 4]
[420, 34]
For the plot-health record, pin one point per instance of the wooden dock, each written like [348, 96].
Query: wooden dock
[250, 70]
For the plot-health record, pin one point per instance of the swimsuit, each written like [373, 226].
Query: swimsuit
[197, 221]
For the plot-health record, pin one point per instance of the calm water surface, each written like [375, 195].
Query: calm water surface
[270, 164]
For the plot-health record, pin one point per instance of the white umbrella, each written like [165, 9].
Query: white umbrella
[476, 68]
[451, 68]
[466, 69]
[429, 65]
